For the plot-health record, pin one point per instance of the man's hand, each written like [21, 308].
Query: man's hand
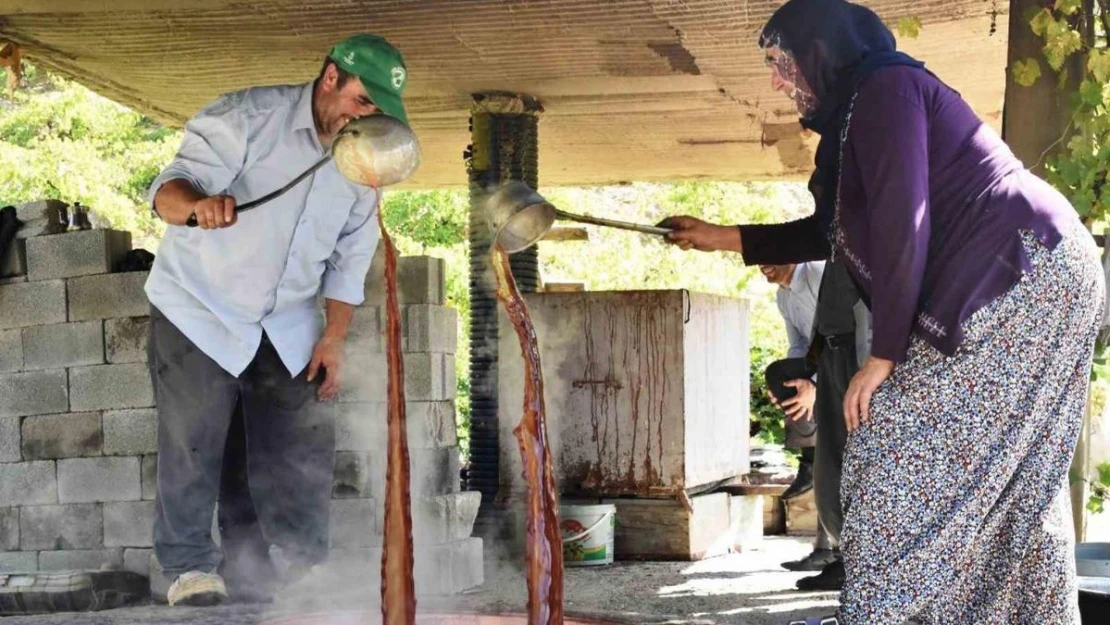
[857, 401]
[800, 406]
[215, 211]
[328, 354]
[693, 233]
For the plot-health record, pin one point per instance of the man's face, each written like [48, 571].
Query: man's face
[337, 105]
[777, 274]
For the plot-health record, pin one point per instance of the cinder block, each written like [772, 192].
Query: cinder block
[11, 350]
[125, 339]
[375, 279]
[431, 424]
[365, 332]
[63, 345]
[13, 262]
[137, 561]
[150, 477]
[108, 295]
[449, 569]
[28, 483]
[32, 211]
[129, 524]
[361, 426]
[50, 437]
[9, 529]
[429, 328]
[36, 392]
[366, 377]
[351, 475]
[431, 472]
[80, 560]
[9, 440]
[444, 518]
[19, 562]
[107, 387]
[130, 432]
[25, 304]
[34, 216]
[61, 528]
[84, 480]
[420, 280]
[429, 377]
[354, 523]
[76, 253]
[364, 426]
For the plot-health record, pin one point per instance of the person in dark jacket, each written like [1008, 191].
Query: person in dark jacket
[986, 296]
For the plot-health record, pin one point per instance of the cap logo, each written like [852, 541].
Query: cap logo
[398, 77]
[350, 58]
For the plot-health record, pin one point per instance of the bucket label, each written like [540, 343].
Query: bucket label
[586, 547]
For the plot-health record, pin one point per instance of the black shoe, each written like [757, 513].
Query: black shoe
[802, 484]
[830, 578]
[817, 560]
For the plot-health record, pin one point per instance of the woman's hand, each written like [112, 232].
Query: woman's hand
[691, 233]
[857, 401]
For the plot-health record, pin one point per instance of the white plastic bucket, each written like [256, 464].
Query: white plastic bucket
[587, 534]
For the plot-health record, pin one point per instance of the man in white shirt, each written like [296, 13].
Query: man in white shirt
[791, 385]
[236, 320]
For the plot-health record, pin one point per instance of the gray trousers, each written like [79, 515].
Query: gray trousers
[835, 367]
[287, 442]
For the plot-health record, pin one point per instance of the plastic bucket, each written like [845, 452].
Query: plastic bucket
[587, 534]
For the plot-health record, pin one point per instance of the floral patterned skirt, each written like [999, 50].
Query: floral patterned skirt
[955, 492]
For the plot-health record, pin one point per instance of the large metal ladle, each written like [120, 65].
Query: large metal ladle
[518, 217]
[373, 151]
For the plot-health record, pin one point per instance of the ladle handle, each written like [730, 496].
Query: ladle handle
[612, 223]
[246, 206]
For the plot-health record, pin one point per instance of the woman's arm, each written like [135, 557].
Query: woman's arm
[776, 244]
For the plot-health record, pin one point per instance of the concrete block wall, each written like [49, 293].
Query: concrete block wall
[78, 422]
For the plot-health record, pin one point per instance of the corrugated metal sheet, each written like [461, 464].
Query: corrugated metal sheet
[633, 89]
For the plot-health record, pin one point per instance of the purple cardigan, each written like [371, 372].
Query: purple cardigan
[931, 204]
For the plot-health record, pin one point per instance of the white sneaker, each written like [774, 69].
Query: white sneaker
[197, 588]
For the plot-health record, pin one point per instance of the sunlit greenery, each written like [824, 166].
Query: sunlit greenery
[59, 140]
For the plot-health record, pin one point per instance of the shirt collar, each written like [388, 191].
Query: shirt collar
[796, 280]
[302, 119]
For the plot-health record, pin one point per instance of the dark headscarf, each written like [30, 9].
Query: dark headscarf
[835, 44]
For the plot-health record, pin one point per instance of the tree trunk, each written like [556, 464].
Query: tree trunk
[1035, 121]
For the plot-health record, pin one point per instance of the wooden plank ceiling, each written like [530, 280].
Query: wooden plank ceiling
[632, 89]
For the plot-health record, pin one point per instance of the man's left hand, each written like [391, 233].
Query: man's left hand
[800, 406]
[857, 401]
[328, 354]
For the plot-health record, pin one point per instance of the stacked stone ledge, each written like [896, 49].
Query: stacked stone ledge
[78, 422]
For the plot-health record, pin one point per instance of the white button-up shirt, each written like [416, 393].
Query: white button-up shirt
[222, 288]
[798, 305]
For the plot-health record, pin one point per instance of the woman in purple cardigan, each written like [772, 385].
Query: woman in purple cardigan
[986, 294]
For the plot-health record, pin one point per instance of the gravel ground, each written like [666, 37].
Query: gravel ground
[738, 589]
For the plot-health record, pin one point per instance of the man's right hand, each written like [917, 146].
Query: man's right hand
[215, 211]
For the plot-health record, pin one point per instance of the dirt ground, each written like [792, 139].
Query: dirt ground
[738, 589]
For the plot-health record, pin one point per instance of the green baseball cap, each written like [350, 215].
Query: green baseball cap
[379, 67]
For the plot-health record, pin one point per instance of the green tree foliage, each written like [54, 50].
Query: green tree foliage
[60, 140]
[1080, 164]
